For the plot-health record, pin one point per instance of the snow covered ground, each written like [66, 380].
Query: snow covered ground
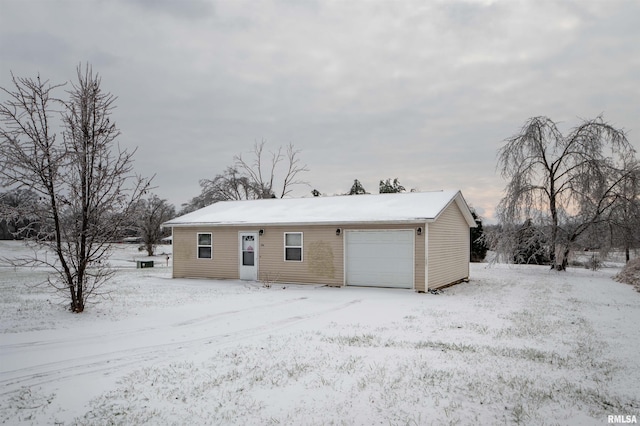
[516, 345]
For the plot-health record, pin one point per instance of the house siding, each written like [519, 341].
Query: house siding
[323, 253]
[321, 256]
[224, 263]
[448, 248]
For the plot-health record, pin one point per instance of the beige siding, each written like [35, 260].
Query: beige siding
[448, 248]
[225, 253]
[323, 254]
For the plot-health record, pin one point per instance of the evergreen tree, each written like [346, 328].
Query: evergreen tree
[531, 245]
[357, 188]
[388, 187]
[479, 246]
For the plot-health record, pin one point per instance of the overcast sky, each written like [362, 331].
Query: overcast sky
[425, 91]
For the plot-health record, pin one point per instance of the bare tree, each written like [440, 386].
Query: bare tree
[624, 220]
[152, 213]
[254, 178]
[565, 184]
[85, 182]
[262, 172]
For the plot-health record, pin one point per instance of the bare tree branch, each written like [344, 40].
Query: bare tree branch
[565, 184]
[253, 178]
[86, 184]
[295, 167]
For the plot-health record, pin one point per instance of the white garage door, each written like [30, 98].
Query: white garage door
[379, 258]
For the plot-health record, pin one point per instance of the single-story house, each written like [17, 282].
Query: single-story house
[416, 240]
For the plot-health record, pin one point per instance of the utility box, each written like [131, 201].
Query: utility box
[144, 264]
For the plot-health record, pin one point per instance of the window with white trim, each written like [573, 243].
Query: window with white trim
[205, 245]
[293, 246]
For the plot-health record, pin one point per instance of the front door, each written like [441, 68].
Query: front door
[249, 256]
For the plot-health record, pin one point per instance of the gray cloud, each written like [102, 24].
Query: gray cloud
[422, 91]
[192, 9]
[35, 47]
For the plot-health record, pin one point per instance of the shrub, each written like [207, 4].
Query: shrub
[630, 274]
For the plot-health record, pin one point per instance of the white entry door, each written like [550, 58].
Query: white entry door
[248, 256]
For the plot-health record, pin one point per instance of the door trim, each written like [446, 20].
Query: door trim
[248, 273]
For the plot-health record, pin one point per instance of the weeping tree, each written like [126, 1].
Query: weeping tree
[565, 184]
[226, 186]
[85, 182]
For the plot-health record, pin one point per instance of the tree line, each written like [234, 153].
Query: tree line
[72, 189]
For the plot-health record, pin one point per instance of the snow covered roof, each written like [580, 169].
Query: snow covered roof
[405, 207]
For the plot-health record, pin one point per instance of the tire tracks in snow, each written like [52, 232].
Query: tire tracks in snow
[5, 349]
[41, 374]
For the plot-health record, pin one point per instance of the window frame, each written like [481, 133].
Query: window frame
[301, 247]
[198, 245]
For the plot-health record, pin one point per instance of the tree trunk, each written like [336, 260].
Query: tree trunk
[79, 300]
[560, 258]
[74, 301]
[565, 259]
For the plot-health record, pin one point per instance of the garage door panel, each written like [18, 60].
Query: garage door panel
[380, 258]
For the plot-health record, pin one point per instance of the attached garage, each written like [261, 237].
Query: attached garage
[379, 258]
[417, 240]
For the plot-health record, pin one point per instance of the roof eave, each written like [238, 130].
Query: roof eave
[415, 221]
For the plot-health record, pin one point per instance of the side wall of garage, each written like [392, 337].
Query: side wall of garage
[448, 248]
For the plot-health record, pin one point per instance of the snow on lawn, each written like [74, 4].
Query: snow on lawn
[515, 345]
